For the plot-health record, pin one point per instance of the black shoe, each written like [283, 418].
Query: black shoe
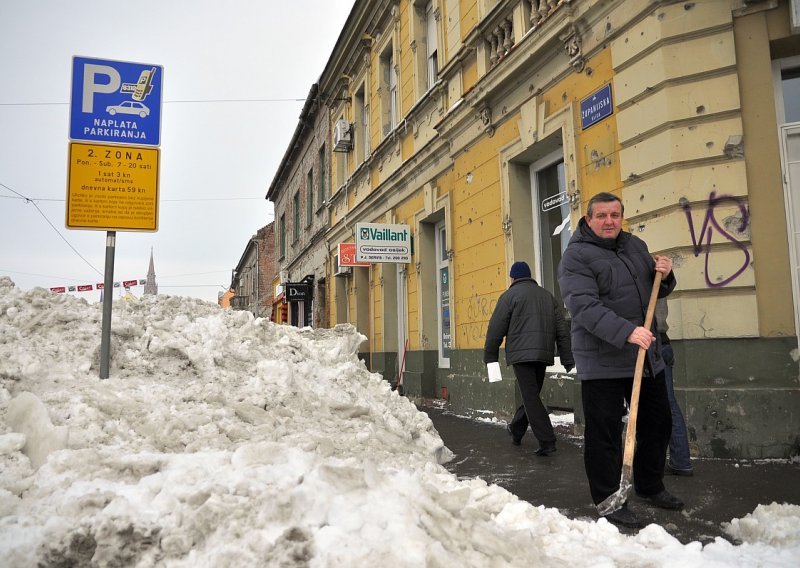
[624, 517]
[680, 472]
[514, 440]
[663, 500]
[546, 448]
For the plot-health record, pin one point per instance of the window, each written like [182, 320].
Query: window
[790, 85]
[389, 103]
[443, 295]
[431, 46]
[341, 164]
[283, 236]
[361, 130]
[309, 197]
[296, 204]
[786, 86]
[323, 176]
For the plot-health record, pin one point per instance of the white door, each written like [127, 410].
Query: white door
[443, 295]
[551, 231]
[790, 158]
[402, 330]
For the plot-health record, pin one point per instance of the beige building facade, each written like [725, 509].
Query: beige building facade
[486, 126]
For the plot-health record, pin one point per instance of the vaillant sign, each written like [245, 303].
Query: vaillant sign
[383, 243]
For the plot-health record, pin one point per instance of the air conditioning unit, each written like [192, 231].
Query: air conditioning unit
[342, 139]
[339, 270]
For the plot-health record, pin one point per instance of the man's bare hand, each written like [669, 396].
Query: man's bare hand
[642, 337]
[663, 264]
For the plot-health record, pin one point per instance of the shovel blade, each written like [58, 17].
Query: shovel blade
[615, 501]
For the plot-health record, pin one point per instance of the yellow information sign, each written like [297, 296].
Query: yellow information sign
[112, 188]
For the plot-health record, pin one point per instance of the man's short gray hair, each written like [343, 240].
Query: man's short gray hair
[603, 197]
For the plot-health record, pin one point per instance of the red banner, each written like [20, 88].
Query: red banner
[129, 283]
[58, 290]
[85, 288]
[100, 286]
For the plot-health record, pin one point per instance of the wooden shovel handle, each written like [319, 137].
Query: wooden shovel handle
[630, 435]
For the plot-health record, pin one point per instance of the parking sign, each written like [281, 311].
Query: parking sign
[116, 101]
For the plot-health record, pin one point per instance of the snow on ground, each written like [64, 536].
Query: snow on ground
[224, 440]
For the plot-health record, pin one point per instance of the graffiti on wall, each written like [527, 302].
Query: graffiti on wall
[734, 224]
[479, 310]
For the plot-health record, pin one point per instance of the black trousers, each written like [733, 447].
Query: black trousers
[530, 378]
[603, 409]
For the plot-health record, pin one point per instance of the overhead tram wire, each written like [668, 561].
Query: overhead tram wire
[187, 101]
[32, 202]
[162, 200]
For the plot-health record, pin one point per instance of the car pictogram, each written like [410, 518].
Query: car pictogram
[128, 107]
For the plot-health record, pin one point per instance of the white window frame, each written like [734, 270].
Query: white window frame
[431, 47]
[777, 88]
[791, 188]
[392, 94]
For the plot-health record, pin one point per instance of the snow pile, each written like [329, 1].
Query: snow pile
[224, 440]
[771, 524]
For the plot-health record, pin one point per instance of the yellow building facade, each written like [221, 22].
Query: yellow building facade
[486, 126]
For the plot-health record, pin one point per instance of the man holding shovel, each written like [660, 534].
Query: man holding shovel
[609, 280]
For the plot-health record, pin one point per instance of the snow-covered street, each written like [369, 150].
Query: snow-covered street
[224, 440]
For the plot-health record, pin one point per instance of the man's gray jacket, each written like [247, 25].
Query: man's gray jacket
[606, 285]
[533, 322]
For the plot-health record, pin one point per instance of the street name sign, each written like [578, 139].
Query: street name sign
[596, 107]
[116, 102]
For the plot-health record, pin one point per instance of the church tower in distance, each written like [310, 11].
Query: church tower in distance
[150, 286]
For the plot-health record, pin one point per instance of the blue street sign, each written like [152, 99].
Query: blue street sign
[596, 107]
[116, 101]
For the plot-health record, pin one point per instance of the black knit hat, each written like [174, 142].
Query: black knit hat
[520, 269]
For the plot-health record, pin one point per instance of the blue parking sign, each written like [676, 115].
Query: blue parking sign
[116, 101]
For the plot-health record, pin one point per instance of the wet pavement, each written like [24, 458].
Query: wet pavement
[720, 490]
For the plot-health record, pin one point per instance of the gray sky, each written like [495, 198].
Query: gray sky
[218, 156]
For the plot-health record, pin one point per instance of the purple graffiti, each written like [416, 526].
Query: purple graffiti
[710, 218]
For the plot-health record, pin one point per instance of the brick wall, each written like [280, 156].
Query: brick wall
[267, 268]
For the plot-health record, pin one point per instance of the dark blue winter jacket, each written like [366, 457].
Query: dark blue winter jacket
[606, 284]
[532, 322]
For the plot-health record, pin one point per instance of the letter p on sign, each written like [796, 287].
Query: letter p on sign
[90, 86]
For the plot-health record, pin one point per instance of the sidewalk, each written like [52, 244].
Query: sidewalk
[719, 491]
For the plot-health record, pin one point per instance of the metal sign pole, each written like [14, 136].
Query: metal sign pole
[108, 297]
